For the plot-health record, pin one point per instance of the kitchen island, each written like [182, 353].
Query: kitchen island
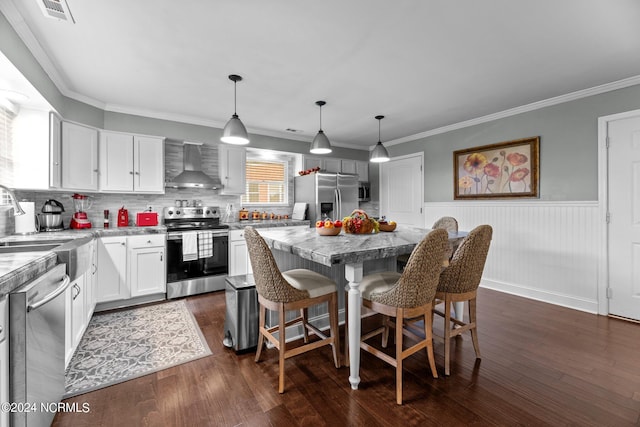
[352, 251]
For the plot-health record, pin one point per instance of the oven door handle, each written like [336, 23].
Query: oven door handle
[214, 233]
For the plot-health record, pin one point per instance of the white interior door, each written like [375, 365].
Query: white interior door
[401, 194]
[624, 224]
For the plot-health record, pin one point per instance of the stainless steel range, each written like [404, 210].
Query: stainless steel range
[197, 250]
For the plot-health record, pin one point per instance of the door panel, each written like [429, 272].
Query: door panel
[401, 193]
[624, 209]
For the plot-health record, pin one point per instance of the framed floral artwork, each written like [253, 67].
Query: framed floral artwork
[502, 170]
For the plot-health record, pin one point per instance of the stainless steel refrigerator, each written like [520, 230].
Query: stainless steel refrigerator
[328, 195]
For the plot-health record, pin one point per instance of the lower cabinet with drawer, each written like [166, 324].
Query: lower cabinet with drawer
[239, 262]
[131, 270]
[146, 269]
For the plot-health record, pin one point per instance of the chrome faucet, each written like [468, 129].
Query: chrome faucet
[17, 210]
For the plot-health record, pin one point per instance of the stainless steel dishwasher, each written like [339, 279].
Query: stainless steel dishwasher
[37, 325]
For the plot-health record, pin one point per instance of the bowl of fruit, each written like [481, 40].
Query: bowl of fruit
[359, 223]
[328, 227]
[386, 225]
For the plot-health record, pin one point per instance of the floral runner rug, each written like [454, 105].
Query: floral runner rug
[123, 345]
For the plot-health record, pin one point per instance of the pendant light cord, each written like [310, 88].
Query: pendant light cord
[321, 117]
[235, 84]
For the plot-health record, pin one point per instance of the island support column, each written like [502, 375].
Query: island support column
[353, 274]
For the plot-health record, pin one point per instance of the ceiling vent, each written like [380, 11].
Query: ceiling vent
[56, 9]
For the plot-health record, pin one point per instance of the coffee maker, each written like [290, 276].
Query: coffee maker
[81, 204]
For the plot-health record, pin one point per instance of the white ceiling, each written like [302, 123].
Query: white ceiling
[424, 64]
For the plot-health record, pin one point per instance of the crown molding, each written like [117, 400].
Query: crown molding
[584, 93]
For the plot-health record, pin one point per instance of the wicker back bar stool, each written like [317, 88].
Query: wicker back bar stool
[448, 223]
[458, 283]
[297, 290]
[403, 297]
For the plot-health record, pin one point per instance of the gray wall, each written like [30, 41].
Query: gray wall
[568, 145]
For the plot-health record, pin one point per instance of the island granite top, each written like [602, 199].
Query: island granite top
[347, 248]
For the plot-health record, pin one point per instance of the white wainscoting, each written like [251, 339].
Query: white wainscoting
[547, 251]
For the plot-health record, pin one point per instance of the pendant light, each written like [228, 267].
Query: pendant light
[234, 131]
[320, 144]
[379, 153]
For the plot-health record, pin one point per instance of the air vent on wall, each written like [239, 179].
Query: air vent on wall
[57, 9]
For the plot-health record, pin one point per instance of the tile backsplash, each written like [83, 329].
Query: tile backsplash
[140, 202]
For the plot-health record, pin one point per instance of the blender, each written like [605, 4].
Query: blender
[81, 204]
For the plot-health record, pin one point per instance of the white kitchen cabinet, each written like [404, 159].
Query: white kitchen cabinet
[131, 163]
[79, 157]
[146, 265]
[232, 166]
[91, 277]
[362, 169]
[112, 269]
[312, 162]
[348, 166]
[239, 262]
[55, 153]
[332, 165]
[75, 318]
[4, 358]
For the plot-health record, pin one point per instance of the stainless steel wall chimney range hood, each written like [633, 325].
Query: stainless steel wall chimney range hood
[192, 175]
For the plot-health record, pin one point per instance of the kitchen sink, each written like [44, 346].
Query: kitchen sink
[76, 253]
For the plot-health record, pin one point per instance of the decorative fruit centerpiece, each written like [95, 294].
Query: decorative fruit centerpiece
[328, 227]
[359, 223]
[386, 225]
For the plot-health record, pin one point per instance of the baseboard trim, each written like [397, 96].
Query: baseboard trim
[589, 306]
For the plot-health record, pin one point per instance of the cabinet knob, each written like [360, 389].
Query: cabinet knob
[131, 173]
[137, 173]
[149, 241]
[122, 243]
[95, 170]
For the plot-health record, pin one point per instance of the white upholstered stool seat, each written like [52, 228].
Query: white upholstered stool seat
[306, 280]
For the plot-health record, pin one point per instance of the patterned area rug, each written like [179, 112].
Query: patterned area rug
[123, 345]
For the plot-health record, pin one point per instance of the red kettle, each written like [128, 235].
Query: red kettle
[123, 217]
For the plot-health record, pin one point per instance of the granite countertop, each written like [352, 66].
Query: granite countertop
[347, 248]
[267, 223]
[22, 267]
[17, 268]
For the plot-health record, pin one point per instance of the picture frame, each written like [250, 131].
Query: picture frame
[504, 170]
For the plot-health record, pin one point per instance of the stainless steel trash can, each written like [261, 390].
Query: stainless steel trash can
[241, 319]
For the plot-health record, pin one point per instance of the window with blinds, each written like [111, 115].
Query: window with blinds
[266, 182]
[6, 155]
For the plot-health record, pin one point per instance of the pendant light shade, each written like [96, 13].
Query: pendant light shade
[320, 144]
[379, 153]
[234, 131]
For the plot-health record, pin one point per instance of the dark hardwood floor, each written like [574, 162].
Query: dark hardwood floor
[541, 365]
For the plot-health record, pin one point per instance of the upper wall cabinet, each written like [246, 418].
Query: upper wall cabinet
[362, 169]
[232, 169]
[131, 163]
[328, 164]
[55, 153]
[79, 155]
